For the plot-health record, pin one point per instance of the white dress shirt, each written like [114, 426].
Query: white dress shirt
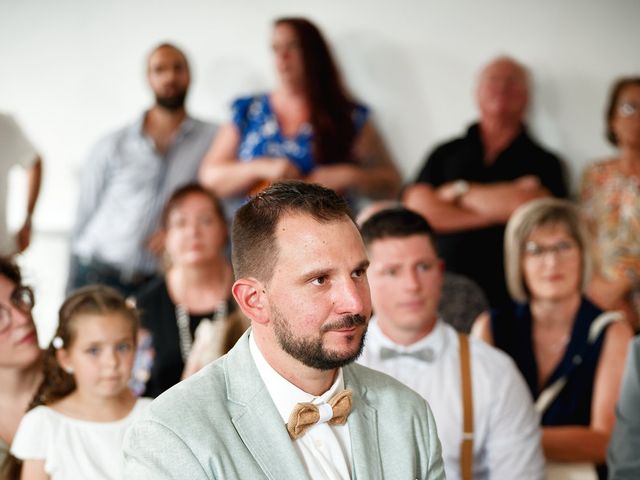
[506, 428]
[324, 449]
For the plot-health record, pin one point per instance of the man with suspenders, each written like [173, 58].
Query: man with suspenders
[483, 410]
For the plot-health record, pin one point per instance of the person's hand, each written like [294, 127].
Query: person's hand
[608, 293]
[23, 236]
[272, 169]
[338, 177]
[279, 168]
[528, 182]
[155, 243]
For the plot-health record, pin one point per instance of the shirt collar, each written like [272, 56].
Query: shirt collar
[284, 394]
[436, 340]
[185, 127]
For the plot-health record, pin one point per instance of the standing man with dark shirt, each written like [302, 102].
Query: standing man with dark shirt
[469, 187]
[129, 176]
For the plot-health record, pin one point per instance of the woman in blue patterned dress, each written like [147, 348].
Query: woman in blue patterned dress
[307, 128]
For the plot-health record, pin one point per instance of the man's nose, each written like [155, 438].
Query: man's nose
[411, 281]
[350, 298]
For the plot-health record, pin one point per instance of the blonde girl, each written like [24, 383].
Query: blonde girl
[82, 408]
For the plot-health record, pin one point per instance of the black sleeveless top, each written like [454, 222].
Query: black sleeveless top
[158, 316]
[512, 333]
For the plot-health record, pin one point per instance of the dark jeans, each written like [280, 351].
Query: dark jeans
[93, 272]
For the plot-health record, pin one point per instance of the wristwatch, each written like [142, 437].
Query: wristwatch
[460, 187]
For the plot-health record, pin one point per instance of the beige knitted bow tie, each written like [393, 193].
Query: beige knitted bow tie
[306, 415]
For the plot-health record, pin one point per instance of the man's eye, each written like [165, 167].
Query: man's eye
[360, 272]
[391, 272]
[319, 281]
[424, 267]
[93, 350]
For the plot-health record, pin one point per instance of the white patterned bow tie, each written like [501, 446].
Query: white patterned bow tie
[425, 354]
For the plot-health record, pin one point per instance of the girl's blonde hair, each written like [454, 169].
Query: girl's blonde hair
[92, 300]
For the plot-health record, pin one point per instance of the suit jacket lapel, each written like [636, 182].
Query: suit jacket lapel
[256, 418]
[363, 430]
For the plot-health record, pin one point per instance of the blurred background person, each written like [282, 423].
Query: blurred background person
[486, 422]
[569, 351]
[461, 299]
[308, 128]
[470, 186]
[17, 150]
[128, 177]
[188, 316]
[611, 201]
[20, 359]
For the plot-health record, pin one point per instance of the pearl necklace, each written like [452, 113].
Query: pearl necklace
[184, 331]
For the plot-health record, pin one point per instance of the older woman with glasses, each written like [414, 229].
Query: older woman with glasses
[611, 200]
[20, 357]
[569, 351]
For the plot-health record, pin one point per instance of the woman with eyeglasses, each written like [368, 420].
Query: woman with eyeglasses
[188, 317]
[611, 201]
[569, 351]
[20, 359]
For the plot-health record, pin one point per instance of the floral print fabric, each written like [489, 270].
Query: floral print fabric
[260, 134]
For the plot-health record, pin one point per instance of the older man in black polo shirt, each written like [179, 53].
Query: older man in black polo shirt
[469, 187]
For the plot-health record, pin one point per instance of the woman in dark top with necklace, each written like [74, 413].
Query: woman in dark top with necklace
[570, 353]
[192, 304]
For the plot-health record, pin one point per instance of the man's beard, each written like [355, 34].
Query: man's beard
[310, 351]
[172, 103]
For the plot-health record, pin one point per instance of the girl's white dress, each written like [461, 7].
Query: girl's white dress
[72, 448]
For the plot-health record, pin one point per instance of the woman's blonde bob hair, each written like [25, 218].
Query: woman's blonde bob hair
[538, 213]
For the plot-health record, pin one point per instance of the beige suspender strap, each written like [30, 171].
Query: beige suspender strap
[466, 447]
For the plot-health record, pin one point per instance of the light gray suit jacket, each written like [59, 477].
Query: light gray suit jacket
[624, 447]
[222, 424]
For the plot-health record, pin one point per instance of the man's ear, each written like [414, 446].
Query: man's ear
[251, 298]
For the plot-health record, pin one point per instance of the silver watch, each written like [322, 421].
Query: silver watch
[460, 187]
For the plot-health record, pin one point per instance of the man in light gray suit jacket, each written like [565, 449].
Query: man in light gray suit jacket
[623, 459]
[287, 402]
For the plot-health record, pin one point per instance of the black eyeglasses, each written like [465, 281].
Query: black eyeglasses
[22, 299]
[563, 249]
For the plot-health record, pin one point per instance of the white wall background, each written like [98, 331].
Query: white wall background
[74, 69]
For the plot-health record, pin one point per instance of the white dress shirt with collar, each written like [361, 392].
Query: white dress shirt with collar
[506, 427]
[324, 449]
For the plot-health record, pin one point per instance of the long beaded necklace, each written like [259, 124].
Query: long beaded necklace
[184, 330]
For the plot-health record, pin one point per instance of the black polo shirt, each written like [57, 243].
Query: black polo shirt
[478, 253]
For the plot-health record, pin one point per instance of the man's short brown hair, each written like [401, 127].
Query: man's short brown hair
[254, 251]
